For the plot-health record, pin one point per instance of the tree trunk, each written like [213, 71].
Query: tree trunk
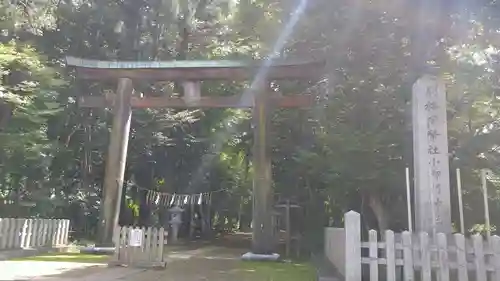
[126, 214]
[376, 204]
[144, 209]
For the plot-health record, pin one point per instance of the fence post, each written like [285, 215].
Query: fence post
[406, 238]
[373, 248]
[390, 252]
[40, 232]
[49, 232]
[16, 241]
[161, 243]
[150, 238]
[59, 232]
[29, 233]
[24, 233]
[353, 246]
[34, 235]
[495, 261]
[477, 243]
[443, 261]
[461, 257]
[45, 232]
[53, 228]
[3, 232]
[39, 227]
[12, 234]
[56, 231]
[66, 232]
[425, 257]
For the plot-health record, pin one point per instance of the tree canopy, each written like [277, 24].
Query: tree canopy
[347, 152]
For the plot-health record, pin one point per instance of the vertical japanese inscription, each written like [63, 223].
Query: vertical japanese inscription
[431, 156]
[432, 109]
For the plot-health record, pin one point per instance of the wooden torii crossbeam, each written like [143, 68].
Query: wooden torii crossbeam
[191, 73]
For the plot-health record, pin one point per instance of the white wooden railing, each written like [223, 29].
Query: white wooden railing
[33, 233]
[411, 256]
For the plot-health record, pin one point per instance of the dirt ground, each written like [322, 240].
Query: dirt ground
[190, 262]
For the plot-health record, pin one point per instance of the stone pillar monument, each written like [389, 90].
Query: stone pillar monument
[430, 156]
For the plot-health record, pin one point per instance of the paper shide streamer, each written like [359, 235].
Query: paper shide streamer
[168, 199]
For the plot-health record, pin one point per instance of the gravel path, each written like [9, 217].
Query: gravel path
[206, 263]
[38, 270]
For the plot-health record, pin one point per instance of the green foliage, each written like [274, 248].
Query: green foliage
[347, 152]
[28, 98]
[67, 257]
[360, 139]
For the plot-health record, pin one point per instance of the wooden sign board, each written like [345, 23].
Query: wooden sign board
[135, 237]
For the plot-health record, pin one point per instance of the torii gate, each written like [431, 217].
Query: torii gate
[191, 73]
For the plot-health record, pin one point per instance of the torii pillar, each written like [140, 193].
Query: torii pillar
[193, 72]
[262, 227]
[116, 159]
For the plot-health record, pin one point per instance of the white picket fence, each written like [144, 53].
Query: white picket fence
[409, 256]
[149, 254]
[32, 233]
